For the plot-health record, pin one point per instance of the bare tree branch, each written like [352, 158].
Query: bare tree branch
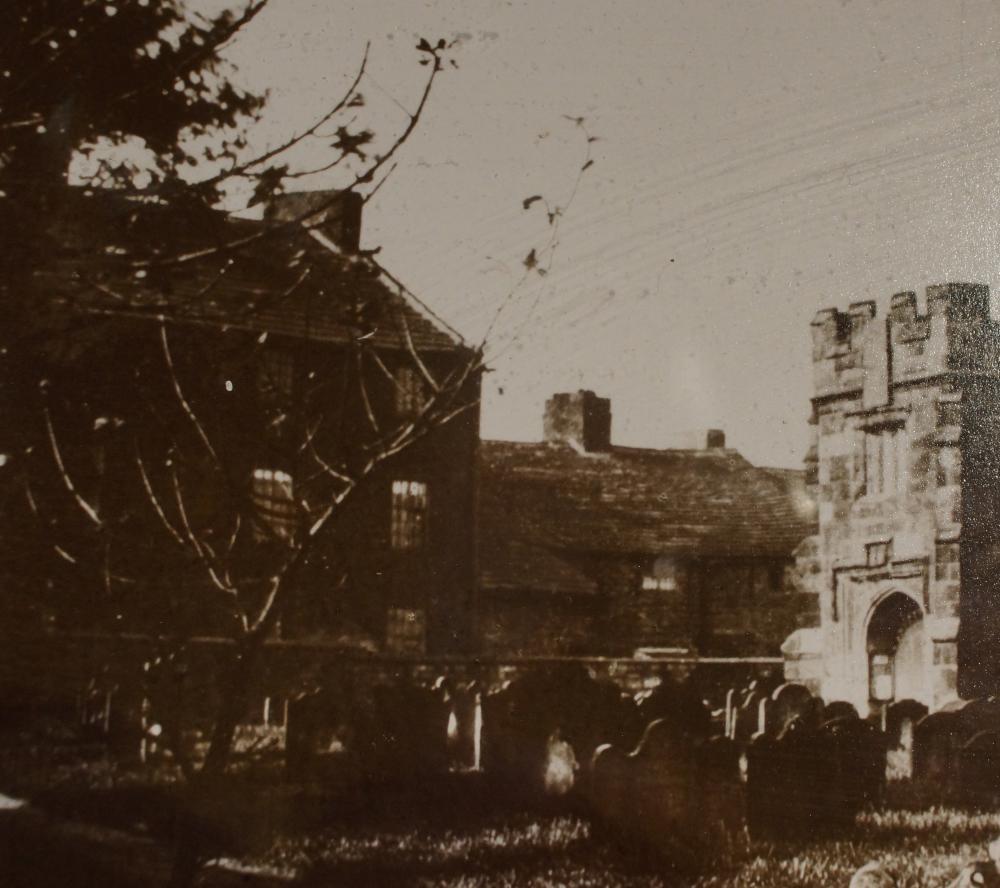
[181, 399]
[404, 324]
[555, 216]
[321, 208]
[363, 387]
[67, 481]
[154, 500]
[291, 142]
[323, 464]
[201, 549]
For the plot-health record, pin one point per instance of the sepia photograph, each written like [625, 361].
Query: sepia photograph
[483, 443]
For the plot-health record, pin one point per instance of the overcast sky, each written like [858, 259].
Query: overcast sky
[756, 161]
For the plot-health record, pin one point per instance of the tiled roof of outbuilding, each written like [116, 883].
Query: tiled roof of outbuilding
[545, 505]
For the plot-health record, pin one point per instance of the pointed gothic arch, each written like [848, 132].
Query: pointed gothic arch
[898, 650]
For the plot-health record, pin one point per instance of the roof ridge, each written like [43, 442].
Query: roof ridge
[404, 292]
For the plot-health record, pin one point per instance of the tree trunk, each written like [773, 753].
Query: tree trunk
[193, 846]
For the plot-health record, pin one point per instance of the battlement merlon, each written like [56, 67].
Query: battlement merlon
[853, 351]
[965, 301]
[834, 331]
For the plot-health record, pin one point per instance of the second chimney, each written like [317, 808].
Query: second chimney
[715, 439]
[338, 214]
[580, 419]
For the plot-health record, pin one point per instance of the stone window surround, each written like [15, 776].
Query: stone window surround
[887, 419]
[878, 553]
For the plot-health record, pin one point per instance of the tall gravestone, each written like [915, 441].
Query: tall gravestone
[813, 778]
[677, 793]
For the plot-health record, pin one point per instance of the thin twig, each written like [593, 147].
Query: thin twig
[201, 550]
[179, 392]
[421, 366]
[313, 212]
[294, 140]
[85, 506]
[154, 500]
[365, 400]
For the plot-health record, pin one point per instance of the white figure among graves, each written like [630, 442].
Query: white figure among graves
[560, 765]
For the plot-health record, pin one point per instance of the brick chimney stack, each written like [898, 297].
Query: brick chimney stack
[340, 221]
[580, 419]
[715, 439]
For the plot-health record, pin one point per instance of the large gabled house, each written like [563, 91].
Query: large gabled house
[259, 323]
[591, 548]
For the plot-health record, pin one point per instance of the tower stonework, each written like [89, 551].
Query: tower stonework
[905, 466]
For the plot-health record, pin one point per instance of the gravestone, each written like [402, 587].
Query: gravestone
[496, 743]
[341, 733]
[310, 729]
[747, 715]
[858, 755]
[405, 740]
[787, 703]
[732, 697]
[937, 743]
[783, 773]
[898, 715]
[126, 725]
[813, 779]
[838, 709]
[979, 770]
[976, 716]
[676, 793]
[899, 721]
[680, 705]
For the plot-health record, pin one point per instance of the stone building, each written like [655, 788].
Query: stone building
[590, 548]
[906, 424]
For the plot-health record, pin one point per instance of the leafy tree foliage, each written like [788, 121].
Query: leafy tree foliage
[92, 77]
[75, 73]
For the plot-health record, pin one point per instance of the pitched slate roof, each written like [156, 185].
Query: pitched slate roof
[297, 284]
[545, 506]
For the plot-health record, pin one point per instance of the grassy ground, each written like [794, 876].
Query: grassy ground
[463, 838]
[926, 849]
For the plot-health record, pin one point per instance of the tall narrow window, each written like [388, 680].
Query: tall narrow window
[409, 514]
[885, 461]
[275, 504]
[873, 463]
[276, 374]
[881, 678]
[410, 392]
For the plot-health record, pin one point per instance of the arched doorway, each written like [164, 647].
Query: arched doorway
[897, 650]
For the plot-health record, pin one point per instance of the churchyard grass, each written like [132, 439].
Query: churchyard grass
[927, 848]
[465, 839]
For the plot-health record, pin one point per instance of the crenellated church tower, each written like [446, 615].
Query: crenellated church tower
[905, 467]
